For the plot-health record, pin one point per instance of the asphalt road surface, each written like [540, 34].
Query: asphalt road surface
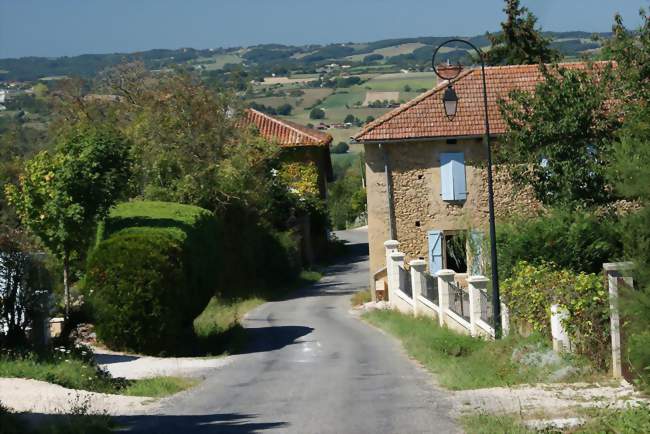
[311, 368]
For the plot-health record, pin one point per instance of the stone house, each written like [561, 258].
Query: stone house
[303, 145]
[426, 175]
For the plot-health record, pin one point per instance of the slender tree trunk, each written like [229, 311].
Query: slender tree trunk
[66, 284]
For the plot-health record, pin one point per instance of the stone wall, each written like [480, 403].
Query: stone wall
[417, 199]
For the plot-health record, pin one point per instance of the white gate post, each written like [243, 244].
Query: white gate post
[445, 277]
[396, 261]
[613, 273]
[391, 247]
[561, 341]
[505, 320]
[417, 281]
[476, 284]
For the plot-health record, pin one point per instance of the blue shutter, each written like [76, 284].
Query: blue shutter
[435, 251]
[476, 265]
[452, 176]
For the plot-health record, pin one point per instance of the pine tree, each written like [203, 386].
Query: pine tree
[519, 42]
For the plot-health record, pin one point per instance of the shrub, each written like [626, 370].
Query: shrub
[573, 239]
[152, 272]
[532, 289]
[340, 148]
[317, 113]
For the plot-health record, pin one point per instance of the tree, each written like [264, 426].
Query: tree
[370, 119]
[407, 88]
[317, 113]
[61, 196]
[349, 119]
[558, 137]
[340, 148]
[284, 109]
[519, 42]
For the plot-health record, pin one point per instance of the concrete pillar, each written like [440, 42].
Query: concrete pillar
[391, 247]
[505, 320]
[615, 272]
[561, 341]
[396, 261]
[445, 277]
[476, 285]
[417, 281]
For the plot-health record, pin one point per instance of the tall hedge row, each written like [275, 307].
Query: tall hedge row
[153, 270]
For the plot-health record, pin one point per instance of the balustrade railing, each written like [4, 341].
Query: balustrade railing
[458, 300]
[430, 290]
[405, 281]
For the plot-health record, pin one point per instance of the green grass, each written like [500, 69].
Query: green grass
[599, 421]
[490, 424]
[158, 387]
[77, 374]
[461, 362]
[77, 423]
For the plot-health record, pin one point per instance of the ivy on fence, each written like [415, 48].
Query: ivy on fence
[531, 291]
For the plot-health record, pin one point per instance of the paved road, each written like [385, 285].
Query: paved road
[312, 368]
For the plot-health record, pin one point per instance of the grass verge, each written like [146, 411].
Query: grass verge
[157, 387]
[461, 362]
[81, 374]
[599, 421]
[11, 423]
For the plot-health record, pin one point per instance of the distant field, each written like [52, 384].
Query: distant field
[389, 82]
[298, 102]
[372, 96]
[221, 60]
[287, 80]
[395, 50]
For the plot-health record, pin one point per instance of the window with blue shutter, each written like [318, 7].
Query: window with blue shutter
[435, 251]
[452, 176]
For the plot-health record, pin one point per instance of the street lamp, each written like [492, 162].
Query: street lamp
[450, 102]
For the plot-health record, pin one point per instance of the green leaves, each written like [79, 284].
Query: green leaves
[519, 42]
[559, 137]
[61, 196]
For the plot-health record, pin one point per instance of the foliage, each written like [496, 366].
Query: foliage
[461, 362]
[61, 196]
[519, 42]
[24, 290]
[347, 196]
[577, 240]
[317, 113]
[631, 50]
[558, 137]
[154, 268]
[531, 291]
[340, 148]
[484, 423]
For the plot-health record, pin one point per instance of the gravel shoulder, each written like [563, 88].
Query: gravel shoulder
[135, 367]
[22, 395]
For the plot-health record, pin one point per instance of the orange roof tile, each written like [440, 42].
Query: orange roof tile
[285, 133]
[424, 117]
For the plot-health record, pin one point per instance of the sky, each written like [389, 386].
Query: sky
[71, 27]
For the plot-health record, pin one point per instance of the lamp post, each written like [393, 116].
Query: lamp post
[450, 102]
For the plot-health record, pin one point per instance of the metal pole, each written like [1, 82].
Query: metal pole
[496, 298]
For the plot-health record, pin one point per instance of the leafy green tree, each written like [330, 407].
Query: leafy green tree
[61, 196]
[284, 109]
[349, 119]
[317, 113]
[340, 148]
[519, 42]
[558, 138]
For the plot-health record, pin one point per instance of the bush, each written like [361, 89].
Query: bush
[340, 148]
[154, 269]
[532, 289]
[317, 113]
[576, 240]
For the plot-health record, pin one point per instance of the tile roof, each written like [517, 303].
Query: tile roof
[423, 117]
[286, 133]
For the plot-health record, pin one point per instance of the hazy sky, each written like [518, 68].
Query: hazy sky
[70, 27]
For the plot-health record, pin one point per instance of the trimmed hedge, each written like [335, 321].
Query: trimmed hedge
[154, 268]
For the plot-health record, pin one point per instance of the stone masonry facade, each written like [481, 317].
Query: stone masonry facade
[418, 205]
